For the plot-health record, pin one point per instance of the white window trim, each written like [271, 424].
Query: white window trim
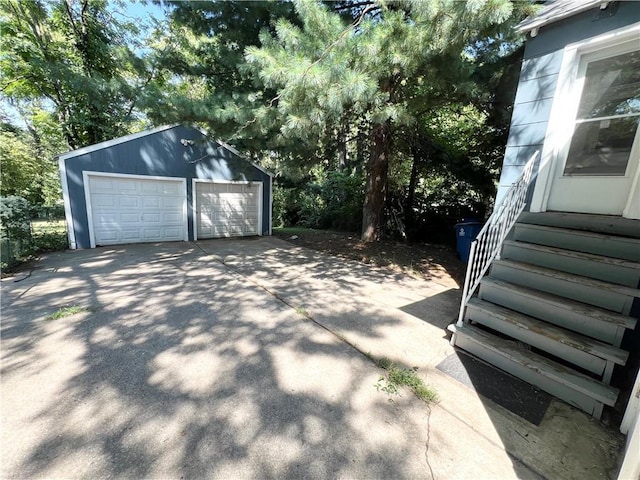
[565, 103]
[194, 201]
[87, 197]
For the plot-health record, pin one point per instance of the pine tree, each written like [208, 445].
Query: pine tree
[386, 65]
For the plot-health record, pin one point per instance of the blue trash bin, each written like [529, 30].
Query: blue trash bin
[466, 232]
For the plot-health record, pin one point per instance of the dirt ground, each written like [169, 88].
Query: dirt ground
[420, 260]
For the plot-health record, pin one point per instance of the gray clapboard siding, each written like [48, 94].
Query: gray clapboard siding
[539, 77]
[573, 387]
[594, 322]
[535, 111]
[579, 27]
[579, 240]
[614, 270]
[585, 352]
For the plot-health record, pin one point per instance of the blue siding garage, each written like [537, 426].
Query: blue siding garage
[172, 183]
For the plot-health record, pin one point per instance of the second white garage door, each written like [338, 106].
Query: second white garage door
[227, 209]
[128, 209]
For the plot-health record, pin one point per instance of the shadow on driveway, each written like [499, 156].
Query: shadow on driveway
[183, 368]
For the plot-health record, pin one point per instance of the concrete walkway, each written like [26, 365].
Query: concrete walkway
[199, 360]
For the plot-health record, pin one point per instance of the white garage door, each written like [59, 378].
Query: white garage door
[227, 209]
[134, 210]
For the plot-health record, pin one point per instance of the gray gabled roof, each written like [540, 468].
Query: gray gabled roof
[559, 10]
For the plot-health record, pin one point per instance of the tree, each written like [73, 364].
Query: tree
[27, 157]
[74, 56]
[389, 65]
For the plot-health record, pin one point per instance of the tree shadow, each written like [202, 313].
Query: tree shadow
[183, 368]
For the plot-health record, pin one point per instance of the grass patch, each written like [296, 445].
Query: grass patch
[397, 377]
[52, 227]
[66, 312]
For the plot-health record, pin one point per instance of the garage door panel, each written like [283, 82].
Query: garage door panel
[173, 232]
[104, 201]
[169, 218]
[126, 186]
[136, 210]
[106, 236]
[151, 218]
[128, 202]
[130, 235]
[150, 202]
[227, 209]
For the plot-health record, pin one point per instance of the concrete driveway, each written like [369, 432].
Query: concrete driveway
[231, 359]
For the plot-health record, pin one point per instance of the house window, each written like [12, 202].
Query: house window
[608, 117]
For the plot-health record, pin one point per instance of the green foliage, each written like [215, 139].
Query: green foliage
[75, 57]
[333, 200]
[397, 377]
[21, 238]
[27, 158]
[14, 217]
[66, 312]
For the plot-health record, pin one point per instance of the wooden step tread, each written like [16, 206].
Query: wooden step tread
[592, 257]
[608, 224]
[564, 303]
[553, 332]
[570, 277]
[582, 233]
[543, 366]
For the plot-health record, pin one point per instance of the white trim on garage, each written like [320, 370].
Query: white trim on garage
[87, 196]
[71, 234]
[271, 205]
[195, 181]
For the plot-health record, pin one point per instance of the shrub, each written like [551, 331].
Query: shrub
[333, 201]
[14, 217]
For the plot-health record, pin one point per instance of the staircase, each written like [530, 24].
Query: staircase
[554, 306]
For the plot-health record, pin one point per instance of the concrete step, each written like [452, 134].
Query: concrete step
[585, 352]
[579, 240]
[617, 298]
[601, 324]
[606, 224]
[573, 387]
[614, 270]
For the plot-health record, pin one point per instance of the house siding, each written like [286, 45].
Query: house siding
[539, 77]
[161, 154]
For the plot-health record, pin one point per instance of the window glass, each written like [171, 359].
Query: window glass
[601, 147]
[611, 87]
[608, 117]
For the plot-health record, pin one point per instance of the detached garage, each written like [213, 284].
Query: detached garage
[172, 183]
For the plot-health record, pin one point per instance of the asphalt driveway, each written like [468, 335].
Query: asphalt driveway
[232, 359]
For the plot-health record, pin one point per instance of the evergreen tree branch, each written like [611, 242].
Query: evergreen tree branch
[326, 51]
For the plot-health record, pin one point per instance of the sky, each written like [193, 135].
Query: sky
[140, 11]
[143, 11]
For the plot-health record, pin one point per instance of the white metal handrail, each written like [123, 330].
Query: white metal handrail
[487, 244]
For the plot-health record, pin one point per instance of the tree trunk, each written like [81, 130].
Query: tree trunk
[376, 186]
[409, 216]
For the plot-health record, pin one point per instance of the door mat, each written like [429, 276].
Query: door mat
[517, 396]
